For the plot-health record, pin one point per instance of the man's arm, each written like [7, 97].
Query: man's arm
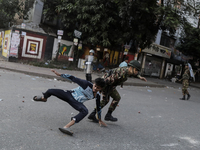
[80, 82]
[142, 78]
[98, 108]
[58, 74]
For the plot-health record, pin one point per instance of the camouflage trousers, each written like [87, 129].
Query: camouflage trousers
[185, 87]
[106, 94]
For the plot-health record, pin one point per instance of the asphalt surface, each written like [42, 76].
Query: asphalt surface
[148, 118]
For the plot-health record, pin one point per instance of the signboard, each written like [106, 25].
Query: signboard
[75, 41]
[59, 38]
[158, 50]
[60, 32]
[70, 59]
[15, 41]
[77, 34]
[79, 46]
[23, 25]
[127, 47]
[6, 43]
[23, 33]
[17, 31]
[1, 40]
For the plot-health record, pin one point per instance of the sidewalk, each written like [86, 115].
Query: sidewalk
[45, 72]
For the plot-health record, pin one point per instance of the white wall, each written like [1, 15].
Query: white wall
[55, 46]
[37, 13]
[158, 37]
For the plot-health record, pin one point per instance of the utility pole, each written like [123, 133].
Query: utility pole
[59, 33]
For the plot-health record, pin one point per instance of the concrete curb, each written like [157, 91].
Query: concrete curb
[127, 83]
[143, 84]
[62, 79]
[35, 74]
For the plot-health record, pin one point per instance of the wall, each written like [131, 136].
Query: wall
[49, 48]
[37, 13]
[55, 48]
[32, 45]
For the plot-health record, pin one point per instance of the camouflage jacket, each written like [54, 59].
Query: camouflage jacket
[186, 75]
[116, 76]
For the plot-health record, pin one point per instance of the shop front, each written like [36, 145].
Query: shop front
[153, 60]
[152, 66]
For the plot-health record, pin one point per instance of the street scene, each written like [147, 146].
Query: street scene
[148, 117]
[99, 75]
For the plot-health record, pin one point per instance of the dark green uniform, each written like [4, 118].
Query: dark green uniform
[113, 79]
[185, 81]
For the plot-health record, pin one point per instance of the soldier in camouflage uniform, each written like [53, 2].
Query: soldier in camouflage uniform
[114, 78]
[185, 82]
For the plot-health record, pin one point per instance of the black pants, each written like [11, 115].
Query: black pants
[89, 77]
[67, 97]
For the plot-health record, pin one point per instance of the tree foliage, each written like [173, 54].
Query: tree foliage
[9, 8]
[116, 22]
[190, 41]
[107, 22]
[190, 32]
[178, 13]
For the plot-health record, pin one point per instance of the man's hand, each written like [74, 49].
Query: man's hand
[102, 123]
[143, 78]
[58, 74]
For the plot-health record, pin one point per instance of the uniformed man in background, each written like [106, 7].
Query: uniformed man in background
[89, 65]
[185, 82]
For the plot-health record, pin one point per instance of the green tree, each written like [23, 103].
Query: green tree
[107, 22]
[116, 22]
[8, 10]
[190, 41]
[139, 21]
[190, 32]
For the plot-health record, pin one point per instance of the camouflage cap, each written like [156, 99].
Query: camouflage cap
[135, 64]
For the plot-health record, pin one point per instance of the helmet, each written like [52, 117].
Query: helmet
[91, 51]
[135, 64]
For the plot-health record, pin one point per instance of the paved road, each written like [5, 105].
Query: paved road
[149, 118]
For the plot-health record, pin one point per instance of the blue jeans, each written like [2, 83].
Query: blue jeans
[67, 97]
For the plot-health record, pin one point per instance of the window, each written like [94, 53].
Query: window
[167, 41]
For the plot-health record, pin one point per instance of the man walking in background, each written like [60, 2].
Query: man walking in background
[185, 82]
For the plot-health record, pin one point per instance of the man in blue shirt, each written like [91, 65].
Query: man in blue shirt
[76, 97]
[124, 63]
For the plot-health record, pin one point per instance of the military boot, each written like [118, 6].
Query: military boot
[183, 98]
[188, 97]
[93, 117]
[109, 117]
